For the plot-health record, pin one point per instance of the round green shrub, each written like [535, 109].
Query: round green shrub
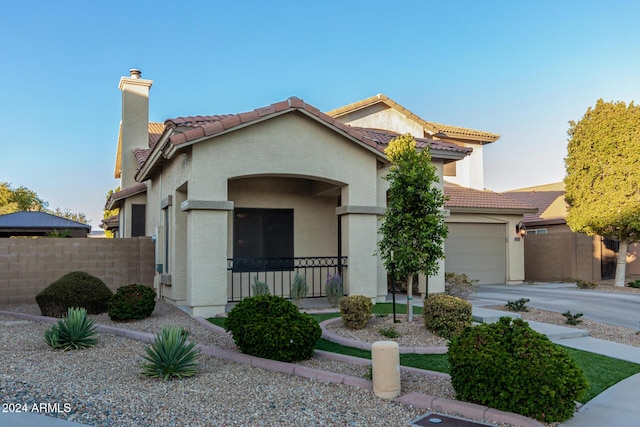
[132, 302]
[75, 289]
[446, 315]
[271, 327]
[509, 366]
[355, 311]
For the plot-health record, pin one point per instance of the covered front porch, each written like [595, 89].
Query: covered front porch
[282, 227]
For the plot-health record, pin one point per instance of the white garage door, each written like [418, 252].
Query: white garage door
[477, 250]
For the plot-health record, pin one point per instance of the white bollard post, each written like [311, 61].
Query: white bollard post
[385, 364]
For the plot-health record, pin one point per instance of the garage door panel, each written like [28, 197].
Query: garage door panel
[477, 250]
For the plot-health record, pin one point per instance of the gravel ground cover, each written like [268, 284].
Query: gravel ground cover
[103, 385]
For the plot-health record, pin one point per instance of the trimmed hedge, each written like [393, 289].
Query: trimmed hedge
[271, 327]
[355, 311]
[75, 289]
[446, 315]
[509, 366]
[132, 302]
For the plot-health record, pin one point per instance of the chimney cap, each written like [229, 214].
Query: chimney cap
[135, 74]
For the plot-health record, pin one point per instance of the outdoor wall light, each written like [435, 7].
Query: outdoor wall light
[521, 230]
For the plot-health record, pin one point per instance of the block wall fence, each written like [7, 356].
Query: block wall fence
[27, 266]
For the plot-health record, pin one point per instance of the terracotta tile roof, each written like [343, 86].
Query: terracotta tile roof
[115, 198]
[183, 131]
[433, 128]
[155, 132]
[384, 137]
[110, 223]
[549, 199]
[196, 127]
[468, 198]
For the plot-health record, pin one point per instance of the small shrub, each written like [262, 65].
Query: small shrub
[389, 332]
[519, 305]
[259, 288]
[586, 284]
[572, 319]
[75, 289]
[170, 355]
[333, 289]
[634, 284]
[76, 331]
[271, 327]
[355, 311]
[299, 289]
[132, 302]
[459, 285]
[509, 366]
[446, 315]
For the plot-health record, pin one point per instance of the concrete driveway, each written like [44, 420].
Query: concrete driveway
[615, 308]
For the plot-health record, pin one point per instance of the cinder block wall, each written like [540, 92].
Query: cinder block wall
[561, 257]
[29, 265]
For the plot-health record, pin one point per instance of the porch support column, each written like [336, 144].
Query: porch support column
[359, 238]
[206, 256]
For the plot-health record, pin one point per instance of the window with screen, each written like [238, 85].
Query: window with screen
[262, 239]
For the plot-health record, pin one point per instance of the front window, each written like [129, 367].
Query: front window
[262, 239]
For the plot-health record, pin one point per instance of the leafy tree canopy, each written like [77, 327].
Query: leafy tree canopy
[413, 228]
[23, 199]
[603, 171]
[107, 213]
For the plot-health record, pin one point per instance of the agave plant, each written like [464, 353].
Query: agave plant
[74, 332]
[170, 355]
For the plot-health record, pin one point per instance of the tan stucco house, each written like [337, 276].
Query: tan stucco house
[287, 189]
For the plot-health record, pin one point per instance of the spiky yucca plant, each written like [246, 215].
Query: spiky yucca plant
[170, 355]
[74, 332]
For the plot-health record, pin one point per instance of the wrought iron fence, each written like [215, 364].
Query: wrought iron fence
[279, 273]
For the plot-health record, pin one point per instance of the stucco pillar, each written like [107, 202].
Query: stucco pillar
[359, 239]
[206, 257]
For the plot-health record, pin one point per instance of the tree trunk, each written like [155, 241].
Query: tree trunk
[621, 266]
[410, 297]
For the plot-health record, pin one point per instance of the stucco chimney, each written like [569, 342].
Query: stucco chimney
[135, 123]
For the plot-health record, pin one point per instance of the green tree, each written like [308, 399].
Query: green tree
[603, 175]
[107, 213]
[73, 216]
[412, 229]
[19, 199]
[24, 199]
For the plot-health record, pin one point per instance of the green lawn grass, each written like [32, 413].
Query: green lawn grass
[601, 371]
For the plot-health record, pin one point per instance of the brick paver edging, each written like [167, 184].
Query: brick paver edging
[418, 400]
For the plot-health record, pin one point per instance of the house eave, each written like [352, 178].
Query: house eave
[486, 210]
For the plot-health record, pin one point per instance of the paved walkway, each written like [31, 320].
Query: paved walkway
[618, 405]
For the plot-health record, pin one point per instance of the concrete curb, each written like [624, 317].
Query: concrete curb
[418, 400]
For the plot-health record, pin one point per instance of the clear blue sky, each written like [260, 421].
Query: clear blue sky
[520, 69]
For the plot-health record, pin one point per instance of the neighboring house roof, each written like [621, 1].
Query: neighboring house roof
[110, 223]
[117, 197]
[462, 199]
[37, 222]
[548, 198]
[181, 132]
[384, 137]
[155, 131]
[432, 128]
